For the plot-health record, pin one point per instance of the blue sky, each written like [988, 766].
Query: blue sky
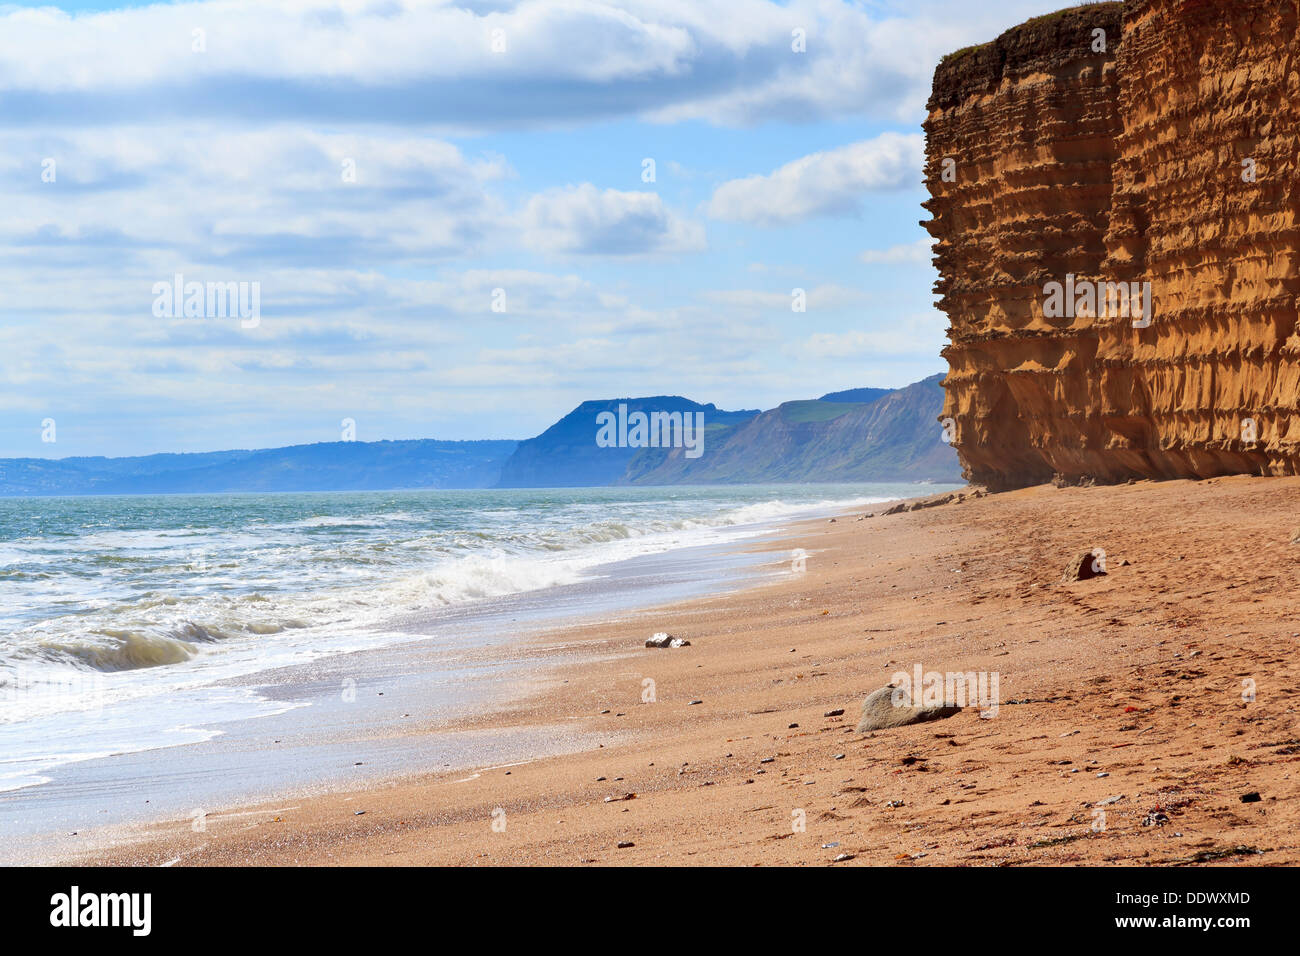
[496, 145]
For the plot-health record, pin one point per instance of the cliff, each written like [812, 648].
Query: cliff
[1164, 156]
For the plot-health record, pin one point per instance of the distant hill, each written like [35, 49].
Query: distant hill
[566, 454]
[856, 395]
[862, 434]
[326, 466]
[894, 437]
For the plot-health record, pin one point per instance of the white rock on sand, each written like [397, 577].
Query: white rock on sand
[662, 639]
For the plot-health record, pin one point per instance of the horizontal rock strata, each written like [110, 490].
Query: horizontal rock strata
[1149, 142]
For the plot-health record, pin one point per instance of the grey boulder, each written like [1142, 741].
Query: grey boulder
[893, 707]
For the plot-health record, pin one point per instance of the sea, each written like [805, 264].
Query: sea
[135, 623]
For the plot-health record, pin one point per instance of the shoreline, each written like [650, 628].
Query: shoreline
[407, 700]
[1120, 694]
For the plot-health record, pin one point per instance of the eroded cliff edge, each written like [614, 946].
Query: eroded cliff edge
[1150, 142]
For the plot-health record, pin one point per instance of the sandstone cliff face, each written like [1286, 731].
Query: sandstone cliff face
[1123, 164]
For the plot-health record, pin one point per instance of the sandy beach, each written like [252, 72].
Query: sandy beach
[1160, 694]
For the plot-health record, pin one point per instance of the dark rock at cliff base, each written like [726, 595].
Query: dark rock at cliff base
[920, 504]
[881, 710]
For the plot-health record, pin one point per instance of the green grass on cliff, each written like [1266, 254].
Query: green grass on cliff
[958, 54]
[1043, 18]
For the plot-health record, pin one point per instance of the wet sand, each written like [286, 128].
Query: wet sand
[1159, 694]
[356, 718]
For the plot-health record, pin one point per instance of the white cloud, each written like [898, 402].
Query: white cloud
[588, 221]
[919, 252]
[724, 61]
[828, 296]
[227, 165]
[912, 335]
[241, 200]
[822, 184]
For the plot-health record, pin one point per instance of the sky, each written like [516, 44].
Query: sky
[457, 220]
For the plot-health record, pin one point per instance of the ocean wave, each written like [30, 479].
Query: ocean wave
[351, 521]
[473, 578]
[110, 649]
[255, 593]
[117, 650]
[17, 574]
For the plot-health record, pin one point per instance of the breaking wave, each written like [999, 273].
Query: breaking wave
[203, 587]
